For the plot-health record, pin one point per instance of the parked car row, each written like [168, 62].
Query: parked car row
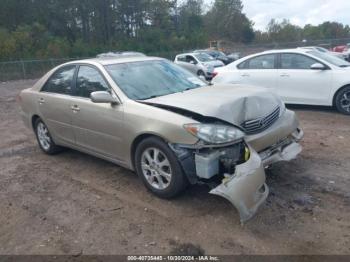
[165, 123]
[203, 62]
[344, 50]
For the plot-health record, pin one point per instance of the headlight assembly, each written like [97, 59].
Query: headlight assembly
[215, 134]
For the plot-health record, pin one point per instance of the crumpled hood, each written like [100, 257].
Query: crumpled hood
[231, 103]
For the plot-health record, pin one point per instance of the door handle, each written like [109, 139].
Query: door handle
[284, 75]
[245, 75]
[41, 101]
[75, 108]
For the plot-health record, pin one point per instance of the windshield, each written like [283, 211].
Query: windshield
[147, 79]
[330, 59]
[204, 57]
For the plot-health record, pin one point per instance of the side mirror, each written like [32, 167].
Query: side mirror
[317, 66]
[103, 97]
[193, 62]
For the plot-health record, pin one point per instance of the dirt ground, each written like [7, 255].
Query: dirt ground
[76, 204]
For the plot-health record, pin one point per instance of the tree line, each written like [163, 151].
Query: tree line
[75, 28]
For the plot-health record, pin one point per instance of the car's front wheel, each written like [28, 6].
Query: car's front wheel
[200, 73]
[342, 100]
[44, 138]
[159, 169]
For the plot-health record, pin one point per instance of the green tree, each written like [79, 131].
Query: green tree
[225, 20]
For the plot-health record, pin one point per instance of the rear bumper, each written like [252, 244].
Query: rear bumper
[246, 188]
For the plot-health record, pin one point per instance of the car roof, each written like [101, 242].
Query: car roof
[291, 50]
[193, 53]
[115, 60]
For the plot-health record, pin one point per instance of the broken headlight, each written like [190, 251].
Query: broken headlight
[215, 134]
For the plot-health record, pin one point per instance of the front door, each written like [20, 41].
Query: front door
[299, 84]
[97, 127]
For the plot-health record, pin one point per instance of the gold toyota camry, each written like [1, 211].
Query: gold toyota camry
[173, 129]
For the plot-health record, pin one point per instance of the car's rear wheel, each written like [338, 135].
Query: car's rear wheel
[159, 169]
[342, 100]
[44, 138]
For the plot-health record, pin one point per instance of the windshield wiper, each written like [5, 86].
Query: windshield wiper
[344, 65]
[150, 97]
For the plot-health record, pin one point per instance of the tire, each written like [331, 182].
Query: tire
[154, 168]
[201, 73]
[342, 100]
[45, 141]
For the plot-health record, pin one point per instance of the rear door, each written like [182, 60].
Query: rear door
[260, 71]
[299, 84]
[53, 104]
[98, 127]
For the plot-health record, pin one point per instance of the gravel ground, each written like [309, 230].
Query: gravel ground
[76, 204]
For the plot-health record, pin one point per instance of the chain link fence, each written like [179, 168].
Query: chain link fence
[31, 69]
[28, 69]
[255, 48]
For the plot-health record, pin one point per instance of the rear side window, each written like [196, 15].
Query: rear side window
[61, 81]
[244, 65]
[296, 61]
[90, 80]
[259, 62]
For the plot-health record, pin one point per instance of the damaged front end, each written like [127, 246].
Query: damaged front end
[234, 172]
[245, 188]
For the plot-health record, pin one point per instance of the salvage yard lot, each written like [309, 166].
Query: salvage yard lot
[74, 203]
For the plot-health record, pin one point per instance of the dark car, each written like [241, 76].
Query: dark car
[218, 55]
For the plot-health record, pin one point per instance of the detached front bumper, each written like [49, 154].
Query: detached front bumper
[246, 188]
[245, 185]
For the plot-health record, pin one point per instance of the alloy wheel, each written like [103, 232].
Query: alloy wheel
[345, 101]
[156, 168]
[43, 136]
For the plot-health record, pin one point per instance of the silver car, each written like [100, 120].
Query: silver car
[151, 116]
[200, 64]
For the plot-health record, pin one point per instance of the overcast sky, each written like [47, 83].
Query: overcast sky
[299, 12]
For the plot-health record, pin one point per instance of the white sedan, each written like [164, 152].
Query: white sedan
[298, 76]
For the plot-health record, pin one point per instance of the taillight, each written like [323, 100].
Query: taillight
[215, 74]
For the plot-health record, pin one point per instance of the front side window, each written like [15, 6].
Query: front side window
[90, 80]
[147, 79]
[190, 59]
[296, 61]
[61, 81]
